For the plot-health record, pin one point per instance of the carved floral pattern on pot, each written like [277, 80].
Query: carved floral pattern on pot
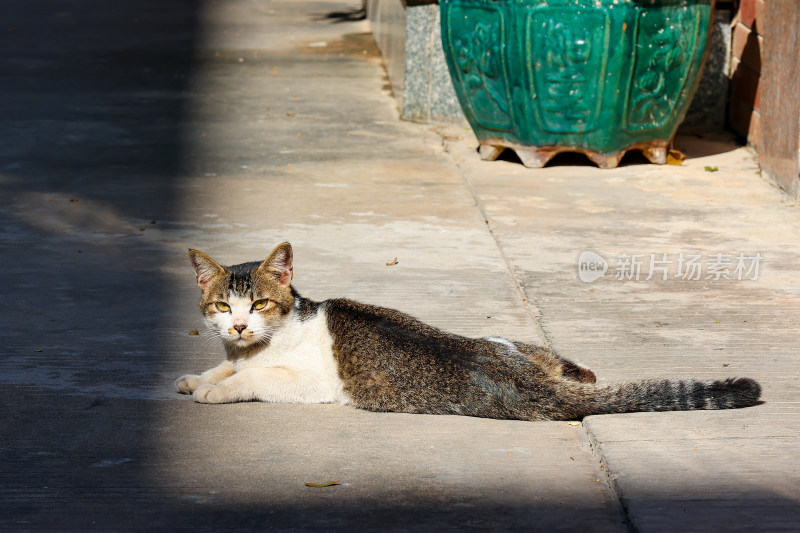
[599, 77]
[567, 76]
[663, 49]
[478, 50]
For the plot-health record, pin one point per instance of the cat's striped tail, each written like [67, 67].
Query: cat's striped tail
[660, 395]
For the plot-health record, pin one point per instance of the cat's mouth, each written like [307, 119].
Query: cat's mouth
[241, 338]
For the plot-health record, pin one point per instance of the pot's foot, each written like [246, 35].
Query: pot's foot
[534, 157]
[530, 156]
[656, 154]
[490, 152]
[605, 161]
[539, 156]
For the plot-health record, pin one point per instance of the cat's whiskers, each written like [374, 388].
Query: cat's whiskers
[210, 336]
[261, 335]
[264, 334]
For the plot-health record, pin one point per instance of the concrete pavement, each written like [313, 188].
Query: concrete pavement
[132, 133]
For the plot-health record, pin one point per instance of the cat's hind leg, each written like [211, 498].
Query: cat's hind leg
[576, 372]
[269, 384]
[546, 357]
[188, 384]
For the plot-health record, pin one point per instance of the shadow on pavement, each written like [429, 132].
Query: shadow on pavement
[92, 98]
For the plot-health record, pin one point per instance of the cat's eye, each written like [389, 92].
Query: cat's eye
[260, 304]
[222, 307]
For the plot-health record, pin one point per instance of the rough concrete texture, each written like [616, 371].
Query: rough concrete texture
[132, 133]
[695, 471]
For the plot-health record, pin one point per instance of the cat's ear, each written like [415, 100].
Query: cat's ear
[205, 268]
[279, 264]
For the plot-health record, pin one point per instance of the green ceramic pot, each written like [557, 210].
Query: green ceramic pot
[599, 77]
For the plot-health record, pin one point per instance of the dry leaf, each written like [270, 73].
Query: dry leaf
[393, 262]
[320, 485]
[194, 332]
[675, 157]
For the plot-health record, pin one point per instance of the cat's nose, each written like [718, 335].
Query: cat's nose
[240, 329]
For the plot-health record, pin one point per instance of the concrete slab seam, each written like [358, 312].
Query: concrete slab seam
[602, 463]
[531, 310]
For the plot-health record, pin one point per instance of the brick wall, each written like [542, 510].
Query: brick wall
[747, 49]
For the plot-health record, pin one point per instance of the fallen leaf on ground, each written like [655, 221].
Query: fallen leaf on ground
[194, 332]
[675, 157]
[320, 485]
[574, 423]
[393, 262]
[710, 169]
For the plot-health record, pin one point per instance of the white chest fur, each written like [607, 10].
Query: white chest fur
[304, 349]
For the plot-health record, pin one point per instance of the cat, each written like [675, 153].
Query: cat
[281, 347]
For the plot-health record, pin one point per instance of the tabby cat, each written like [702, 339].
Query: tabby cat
[282, 347]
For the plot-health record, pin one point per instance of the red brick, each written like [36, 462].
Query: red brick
[747, 12]
[745, 84]
[739, 117]
[754, 133]
[759, 14]
[748, 46]
[740, 34]
[745, 121]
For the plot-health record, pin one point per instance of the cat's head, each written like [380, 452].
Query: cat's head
[245, 304]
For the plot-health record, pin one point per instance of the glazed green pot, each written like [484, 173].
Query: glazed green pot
[599, 77]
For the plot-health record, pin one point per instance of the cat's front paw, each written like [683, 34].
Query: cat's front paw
[187, 384]
[208, 393]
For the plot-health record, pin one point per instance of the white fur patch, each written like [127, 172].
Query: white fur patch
[501, 340]
[297, 366]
